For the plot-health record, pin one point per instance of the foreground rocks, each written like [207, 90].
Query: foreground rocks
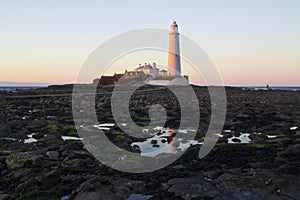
[53, 168]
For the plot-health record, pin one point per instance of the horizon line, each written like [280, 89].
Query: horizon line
[46, 84]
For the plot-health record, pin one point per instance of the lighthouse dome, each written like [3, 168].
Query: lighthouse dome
[174, 24]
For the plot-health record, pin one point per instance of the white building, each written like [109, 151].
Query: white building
[147, 69]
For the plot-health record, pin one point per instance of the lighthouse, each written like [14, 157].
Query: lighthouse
[174, 68]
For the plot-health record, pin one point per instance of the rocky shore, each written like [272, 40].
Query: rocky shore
[257, 155]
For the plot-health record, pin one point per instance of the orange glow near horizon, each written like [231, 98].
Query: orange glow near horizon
[236, 70]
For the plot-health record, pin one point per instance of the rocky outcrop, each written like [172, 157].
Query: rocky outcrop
[51, 168]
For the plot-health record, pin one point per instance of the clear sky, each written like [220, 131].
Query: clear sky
[253, 42]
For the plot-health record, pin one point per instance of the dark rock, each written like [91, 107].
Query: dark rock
[190, 188]
[123, 191]
[5, 130]
[2, 166]
[236, 140]
[4, 196]
[243, 116]
[27, 183]
[52, 141]
[236, 134]
[153, 141]
[257, 137]
[52, 154]
[38, 136]
[95, 189]
[137, 186]
[50, 178]
[19, 160]
[136, 149]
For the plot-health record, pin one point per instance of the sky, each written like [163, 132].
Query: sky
[253, 42]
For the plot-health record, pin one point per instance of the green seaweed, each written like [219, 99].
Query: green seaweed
[52, 129]
[39, 195]
[119, 138]
[178, 166]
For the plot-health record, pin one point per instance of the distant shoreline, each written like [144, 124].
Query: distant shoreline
[28, 87]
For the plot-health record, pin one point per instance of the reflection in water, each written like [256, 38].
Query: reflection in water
[30, 139]
[294, 128]
[70, 138]
[243, 138]
[163, 141]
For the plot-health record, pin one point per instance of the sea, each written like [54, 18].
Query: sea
[14, 88]
[293, 88]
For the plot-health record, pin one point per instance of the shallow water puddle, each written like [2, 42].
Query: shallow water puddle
[104, 126]
[30, 139]
[274, 136]
[70, 138]
[294, 128]
[163, 141]
[243, 138]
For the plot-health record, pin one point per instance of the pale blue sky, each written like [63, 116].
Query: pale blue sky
[251, 42]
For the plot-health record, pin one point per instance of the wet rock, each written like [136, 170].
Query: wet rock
[236, 134]
[191, 188]
[38, 136]
[95, 189]
[52, 154]
[74, 164]
[51, 117]
[294, 149]
[213, 174]
[27, 183]
[153, 141]
[51, 177]
[5, 130]
[123, 191]
[267, 170]
[289, 168]
[169, 138]
[52, 141]
[137, 186]
[15, 125]
[4, 196]
[243, 184]
[255, 138]
[19, 160]
[34, 125]
[2, 166]
[136, 149]
[236, 140]
[243, 116]
[282, 117]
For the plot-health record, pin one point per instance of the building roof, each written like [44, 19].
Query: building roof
[118, 75]
[144, 67]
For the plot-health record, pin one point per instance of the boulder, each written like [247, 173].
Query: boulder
[22, 159]
[53, 155]
[190, 188]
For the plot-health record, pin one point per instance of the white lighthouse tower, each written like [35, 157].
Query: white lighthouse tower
[174, 68]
